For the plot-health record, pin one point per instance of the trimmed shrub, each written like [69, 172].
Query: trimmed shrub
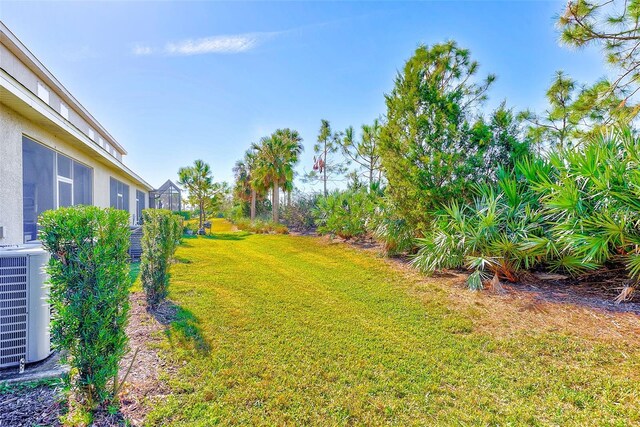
[89, 277]
[161, 232]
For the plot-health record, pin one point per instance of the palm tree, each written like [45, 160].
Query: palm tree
[198, 181]
[248, 184]
[294, 147]
[275, 157]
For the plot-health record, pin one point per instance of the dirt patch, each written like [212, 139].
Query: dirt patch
[43, 405]
[143, 385]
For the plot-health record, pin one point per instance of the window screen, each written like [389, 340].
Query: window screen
[38, 178]
[50, 180]
[82, 184]
[119, 195]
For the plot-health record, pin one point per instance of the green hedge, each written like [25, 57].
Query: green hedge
[89, 277]
[161, 232]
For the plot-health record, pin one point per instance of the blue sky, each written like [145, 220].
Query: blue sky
[174, 82]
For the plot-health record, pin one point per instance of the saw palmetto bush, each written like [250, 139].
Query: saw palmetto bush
[89, 277]
[591, 200]
[489, 236]
[345, 213]
[161, 232]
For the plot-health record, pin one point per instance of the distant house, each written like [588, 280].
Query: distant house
[53, 152]
[168, 196]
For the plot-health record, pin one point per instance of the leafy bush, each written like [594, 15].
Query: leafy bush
[89, 277]
[184, 214]
[393, 231]
[161, 233]
[299, 215]
[260, 226]
[345, 213]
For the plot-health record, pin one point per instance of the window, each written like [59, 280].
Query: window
[43, 92]
[50, 180]
[119, 195]
[38, 192]
[64, 111]
[140, 205]
[92, 134]
[82, 184]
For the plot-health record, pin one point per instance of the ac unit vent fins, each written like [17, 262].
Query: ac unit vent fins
[13, 310]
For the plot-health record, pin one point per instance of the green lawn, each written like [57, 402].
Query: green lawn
[289, 330]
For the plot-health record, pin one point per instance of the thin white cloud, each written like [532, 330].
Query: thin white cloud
[142, 50]
[237, 43]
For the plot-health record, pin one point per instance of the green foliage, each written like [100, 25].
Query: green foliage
[198, 181]
[590, 197]
[276, 155]
[491, 237]
[345, 213]
[614, 27]
[327, 166]
[574, 113]
[185, 215]
[364, 152]
[431, 150]
[89, 277]
[395, 233]
[161, 231]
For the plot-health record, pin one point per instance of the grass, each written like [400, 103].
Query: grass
[291, 330]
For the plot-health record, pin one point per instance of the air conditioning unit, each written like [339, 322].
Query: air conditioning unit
[24, 307]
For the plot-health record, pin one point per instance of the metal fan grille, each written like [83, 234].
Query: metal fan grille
[13, 310]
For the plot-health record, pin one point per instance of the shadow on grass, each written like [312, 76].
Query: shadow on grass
[183, 327]
[240, 235]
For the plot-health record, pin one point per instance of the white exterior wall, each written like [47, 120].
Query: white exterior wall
[12, 127]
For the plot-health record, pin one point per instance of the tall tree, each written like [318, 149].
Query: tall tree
[427, 141]
[559, 122]
[248, 186]
[614, 27]
[326, 166]
[574, 112]
[276, 156]
[198, 181]
[293, 141]
[364, 152]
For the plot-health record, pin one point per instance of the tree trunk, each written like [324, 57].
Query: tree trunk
[275, 203]
[289, 198]
[324, 169]
[253, 204]
[370, 178]
[201, 217]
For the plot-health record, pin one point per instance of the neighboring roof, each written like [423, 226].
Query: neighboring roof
[164, 187]
[16, 47]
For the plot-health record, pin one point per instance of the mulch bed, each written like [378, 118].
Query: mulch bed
[43, 405]
[31, 406]
[597, 289]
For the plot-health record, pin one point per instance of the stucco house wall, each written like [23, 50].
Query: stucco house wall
[34, 104]
[12, 127]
